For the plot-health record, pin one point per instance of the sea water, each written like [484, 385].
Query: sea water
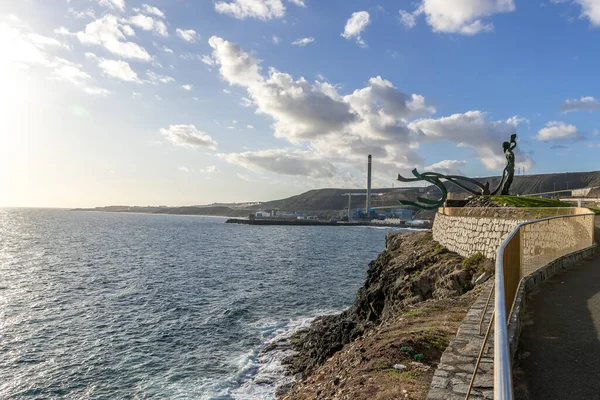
[117, 305]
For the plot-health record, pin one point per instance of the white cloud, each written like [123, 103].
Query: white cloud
[109, 33]
[595, 132]
[286, 162]
[246, 102]
[69, 71]
[516, 120]
[276, 39]
[20, 46]
[303, 41]
[259, 9]
[237, 66]
[408, 20]
[167, 50]
[118, 69]
[377, 119]
[338, 128]
[211, 169]
[447, 167]
[188, 35]
[188, 136]
[249, 127]
[155, 78]
[590, 9]
[226, 91]
[473, 129]
[458, 16]
[207, 60]
[357, 23]
[189, 56]
[150, 10]
[149, 24]
[184, 169]
[557, 130]
[62, 31]
[128, 30]
[113, 4]
[42, 41]
[96, 91]
[89, 13]
[586, 103]
[187, 87]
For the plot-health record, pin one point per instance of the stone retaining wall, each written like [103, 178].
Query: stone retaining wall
[469, 235]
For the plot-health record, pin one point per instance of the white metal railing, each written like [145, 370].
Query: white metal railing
[529, 247]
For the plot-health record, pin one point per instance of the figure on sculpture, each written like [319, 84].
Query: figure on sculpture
[509, 170]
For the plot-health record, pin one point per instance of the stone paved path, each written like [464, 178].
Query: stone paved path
[453, 374]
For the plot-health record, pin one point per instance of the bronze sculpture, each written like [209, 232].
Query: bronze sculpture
[484, 189]
[509, 170]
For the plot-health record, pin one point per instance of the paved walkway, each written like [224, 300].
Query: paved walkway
[559, 348]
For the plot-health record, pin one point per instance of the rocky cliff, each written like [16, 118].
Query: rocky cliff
[414, 279]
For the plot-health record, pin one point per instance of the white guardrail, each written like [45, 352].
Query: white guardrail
[529, 247]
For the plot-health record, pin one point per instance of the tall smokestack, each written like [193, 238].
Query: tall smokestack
[369, 185]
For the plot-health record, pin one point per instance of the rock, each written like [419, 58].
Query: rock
[413, 268]
[399, 367]
[419, 366]
[282, 390]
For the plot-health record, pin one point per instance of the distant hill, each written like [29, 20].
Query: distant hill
[322, 199]
[333, 200]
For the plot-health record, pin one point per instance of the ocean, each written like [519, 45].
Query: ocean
[111, 306]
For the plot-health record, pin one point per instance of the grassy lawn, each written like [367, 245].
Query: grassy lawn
[520, 201]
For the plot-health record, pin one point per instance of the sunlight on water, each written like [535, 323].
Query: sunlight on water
[98, 305]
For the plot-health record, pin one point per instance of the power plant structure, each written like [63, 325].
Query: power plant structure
[371, 212]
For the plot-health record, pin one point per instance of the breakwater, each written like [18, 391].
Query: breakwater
[307, 222]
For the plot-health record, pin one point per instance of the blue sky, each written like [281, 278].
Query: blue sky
[190, 102]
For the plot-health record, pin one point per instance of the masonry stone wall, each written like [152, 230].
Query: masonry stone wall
[469, 235]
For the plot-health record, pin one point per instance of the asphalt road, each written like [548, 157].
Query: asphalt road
[559, 348]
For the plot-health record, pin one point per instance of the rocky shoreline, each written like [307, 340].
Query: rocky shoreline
[415, 295]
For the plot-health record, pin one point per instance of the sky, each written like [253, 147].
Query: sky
[179, 102]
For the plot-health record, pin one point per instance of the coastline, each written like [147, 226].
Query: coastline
[415, 295]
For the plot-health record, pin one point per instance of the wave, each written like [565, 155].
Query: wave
[261, 371]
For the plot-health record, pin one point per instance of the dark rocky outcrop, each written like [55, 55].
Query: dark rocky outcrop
[412, 269]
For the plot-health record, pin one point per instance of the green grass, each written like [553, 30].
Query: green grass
[520, 201]
[407, 375]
